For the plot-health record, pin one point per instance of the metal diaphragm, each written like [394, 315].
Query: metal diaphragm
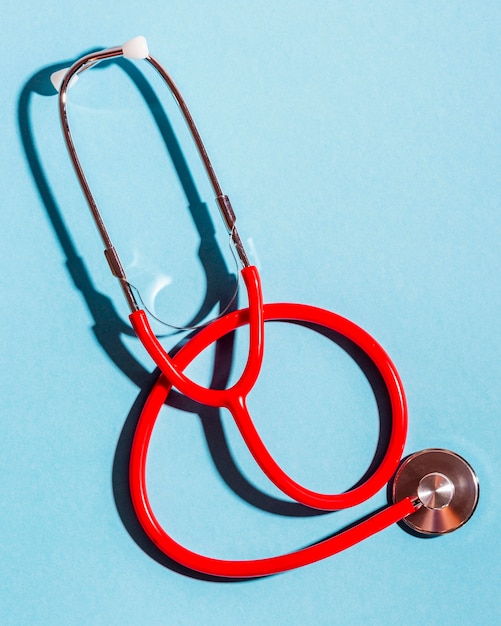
[445, 484]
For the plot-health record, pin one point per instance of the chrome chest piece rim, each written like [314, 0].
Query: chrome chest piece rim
[444, 483]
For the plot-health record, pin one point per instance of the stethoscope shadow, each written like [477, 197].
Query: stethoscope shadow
[109, 328]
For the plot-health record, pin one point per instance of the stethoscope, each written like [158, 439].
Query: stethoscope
[434, 491]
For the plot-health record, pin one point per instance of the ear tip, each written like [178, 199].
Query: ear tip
[136, 48]
[56, 78]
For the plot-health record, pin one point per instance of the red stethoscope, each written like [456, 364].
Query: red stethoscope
[434, 491]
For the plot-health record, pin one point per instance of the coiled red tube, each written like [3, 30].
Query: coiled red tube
[234, 400]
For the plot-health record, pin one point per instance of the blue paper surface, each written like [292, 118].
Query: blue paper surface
[360, 145]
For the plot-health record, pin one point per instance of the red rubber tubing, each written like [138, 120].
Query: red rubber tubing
[234, 400]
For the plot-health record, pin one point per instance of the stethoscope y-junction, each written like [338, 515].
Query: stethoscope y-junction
[434, 491]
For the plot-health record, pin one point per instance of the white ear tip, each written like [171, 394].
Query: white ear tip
[136, 48]
[56, 78]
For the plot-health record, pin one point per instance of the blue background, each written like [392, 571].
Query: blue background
[360, 144]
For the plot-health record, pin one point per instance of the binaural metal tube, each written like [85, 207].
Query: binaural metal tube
[223, 202]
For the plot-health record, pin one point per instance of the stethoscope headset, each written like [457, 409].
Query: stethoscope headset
[433, 491]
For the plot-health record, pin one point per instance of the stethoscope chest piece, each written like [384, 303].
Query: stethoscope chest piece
[446, 486]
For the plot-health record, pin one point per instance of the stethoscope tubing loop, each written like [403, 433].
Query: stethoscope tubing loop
[312, 553]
